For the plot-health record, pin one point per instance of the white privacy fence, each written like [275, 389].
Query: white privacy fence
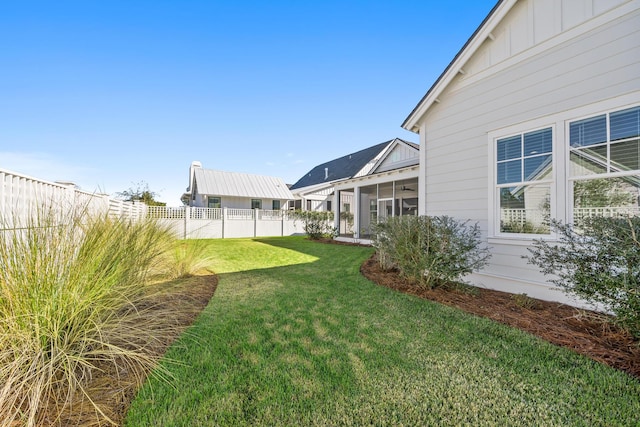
[22, 197]
[219, 223]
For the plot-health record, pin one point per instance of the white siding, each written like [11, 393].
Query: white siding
[401, 156]
[530, 23]
[598, 60]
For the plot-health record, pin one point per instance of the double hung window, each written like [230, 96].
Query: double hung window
[604, 164]
[524, 176]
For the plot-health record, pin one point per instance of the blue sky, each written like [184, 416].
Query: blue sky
[110, 93]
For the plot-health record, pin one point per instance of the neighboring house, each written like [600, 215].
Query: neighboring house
[218, 189]
[537, 118]
[378, 181]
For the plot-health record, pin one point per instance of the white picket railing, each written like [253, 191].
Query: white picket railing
[537, 217]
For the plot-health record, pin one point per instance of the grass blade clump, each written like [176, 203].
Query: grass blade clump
[70, 286]
[185, 259]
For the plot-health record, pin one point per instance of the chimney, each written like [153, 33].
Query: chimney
[326, 173]
[194, 164]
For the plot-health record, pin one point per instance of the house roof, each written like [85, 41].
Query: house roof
[455, 66]
[220, 183]
[345, 166]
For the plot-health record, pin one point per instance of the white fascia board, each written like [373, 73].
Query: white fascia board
[379, 178]
[311, 188]
[433, 95]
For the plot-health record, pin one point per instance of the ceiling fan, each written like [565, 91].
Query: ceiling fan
[405, 188]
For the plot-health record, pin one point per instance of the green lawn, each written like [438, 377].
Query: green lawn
[296, 336]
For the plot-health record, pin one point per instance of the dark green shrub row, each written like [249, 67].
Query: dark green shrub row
[430, 250]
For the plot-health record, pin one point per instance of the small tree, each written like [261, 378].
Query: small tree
[430, 250]
[600, 263]
[316, 224]
[140, 192]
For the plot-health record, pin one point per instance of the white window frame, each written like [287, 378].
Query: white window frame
[561, 191]
[494, 233]
[571, 179]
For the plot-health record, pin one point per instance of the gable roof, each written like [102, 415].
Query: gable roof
[342, 167]
[220, 183]
[345, 166]
[455, 66]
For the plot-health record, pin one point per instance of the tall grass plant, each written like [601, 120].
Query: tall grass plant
[71, 291]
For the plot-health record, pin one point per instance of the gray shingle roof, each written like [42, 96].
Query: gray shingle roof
[220, 183]
[343, 167]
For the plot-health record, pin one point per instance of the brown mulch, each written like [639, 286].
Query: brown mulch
[585, 332]
[113, 388]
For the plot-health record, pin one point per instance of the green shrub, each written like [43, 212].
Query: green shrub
[71, 298]
[317, 224]
[429, 250]
[598, 262]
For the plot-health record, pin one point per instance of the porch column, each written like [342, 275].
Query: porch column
[336, 209]
[356, 212]
[393, 196]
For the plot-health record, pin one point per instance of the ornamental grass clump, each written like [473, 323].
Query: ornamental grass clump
[72, 293]
[430, 251]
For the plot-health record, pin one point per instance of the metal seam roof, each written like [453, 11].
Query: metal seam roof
[221, 183]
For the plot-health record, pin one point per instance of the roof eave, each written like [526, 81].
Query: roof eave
[411, 123]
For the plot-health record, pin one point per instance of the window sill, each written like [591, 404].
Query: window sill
[519, 240]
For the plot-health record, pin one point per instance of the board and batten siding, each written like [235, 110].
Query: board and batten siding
[548, 82]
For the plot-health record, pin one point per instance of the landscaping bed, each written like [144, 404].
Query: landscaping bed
[113, 389]
[585, 332]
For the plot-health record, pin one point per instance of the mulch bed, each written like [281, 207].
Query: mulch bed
[585, 332]
[113, 388]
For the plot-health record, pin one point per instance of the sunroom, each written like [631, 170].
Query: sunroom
[366, 200]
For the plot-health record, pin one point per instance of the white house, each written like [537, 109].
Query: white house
[379, 180]
[219, 189]
[536, 118]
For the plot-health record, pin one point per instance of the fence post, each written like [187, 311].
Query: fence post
[187, 218]
[256, 211]
[224, 220]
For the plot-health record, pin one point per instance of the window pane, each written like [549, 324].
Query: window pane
[509, 148]
[588, 132]
[588, 161]
[509, 172]
[625, 156]
[537, 168]
[525, 209]
[625, 124]
[275, 205]
[605, 197]
[538, 142]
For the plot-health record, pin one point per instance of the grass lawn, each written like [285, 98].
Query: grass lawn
[296, 336]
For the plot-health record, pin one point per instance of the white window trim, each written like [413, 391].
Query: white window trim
[494, 234]
[570, 179]
[563, 209]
